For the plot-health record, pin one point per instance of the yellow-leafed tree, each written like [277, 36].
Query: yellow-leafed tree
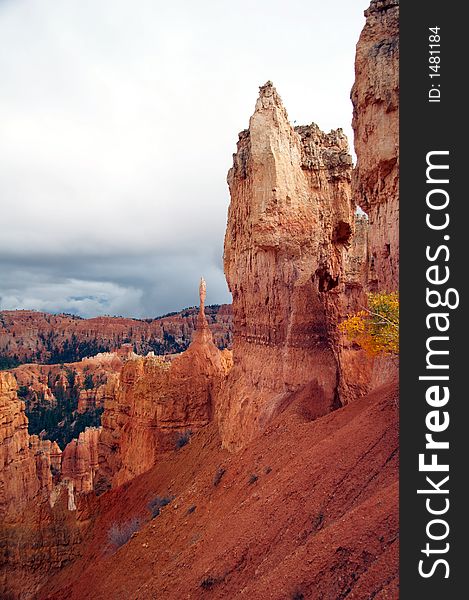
[376, 327]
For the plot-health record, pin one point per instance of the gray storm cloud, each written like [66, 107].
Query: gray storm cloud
[118, 122]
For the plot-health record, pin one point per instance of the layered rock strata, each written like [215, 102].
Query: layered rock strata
[375, 98]
[290, 224]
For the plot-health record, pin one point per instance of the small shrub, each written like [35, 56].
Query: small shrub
[71, 376]
[208, 582]
[183, 439]
[102, 486]
[191, 509]
[155, 505]
[23, 391]
[253, 479]
[89, 383]
[297, 595]
[376, 327]
[218, 476]
[120, 534]
[268, 470]
[318, 522]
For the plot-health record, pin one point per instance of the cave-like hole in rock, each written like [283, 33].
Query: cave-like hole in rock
[325, 280]
[342, 233]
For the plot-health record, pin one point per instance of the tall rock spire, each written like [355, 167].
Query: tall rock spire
[202, 334]
[289, 224]
[202, 293]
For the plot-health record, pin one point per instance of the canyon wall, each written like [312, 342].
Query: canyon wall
[375, 97]
[24, 460]
[30, 336]
[290, 224]
[156, 403]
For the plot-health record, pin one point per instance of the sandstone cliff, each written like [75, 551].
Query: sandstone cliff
[24, 460]
[375, 97]
[290, 224]
[157, 401]
[30, 336]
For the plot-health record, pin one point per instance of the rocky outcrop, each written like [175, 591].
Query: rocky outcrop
[24, 460]
[30, 336]
[290, 224]
[80, 460]
[157, 401]
[375, 97]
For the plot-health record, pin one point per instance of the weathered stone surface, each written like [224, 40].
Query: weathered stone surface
[290, 223]
[375, 97]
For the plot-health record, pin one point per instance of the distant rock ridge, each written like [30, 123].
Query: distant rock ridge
[30, 336]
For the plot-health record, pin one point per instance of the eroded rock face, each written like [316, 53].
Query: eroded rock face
[157, 400]
[290, 223]
[375, 97]
[80, 460]
[24, 460]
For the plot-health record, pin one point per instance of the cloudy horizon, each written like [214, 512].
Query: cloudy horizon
[118, 125]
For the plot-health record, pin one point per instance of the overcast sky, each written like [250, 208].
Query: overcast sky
[118, 120]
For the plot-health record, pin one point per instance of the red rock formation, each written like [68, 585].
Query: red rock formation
[24, 460]
[289, 225]
[80, 460]
[156, 401]
[375, 97]
[34, 336]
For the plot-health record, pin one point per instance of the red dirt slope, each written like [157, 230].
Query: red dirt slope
[320, 522]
